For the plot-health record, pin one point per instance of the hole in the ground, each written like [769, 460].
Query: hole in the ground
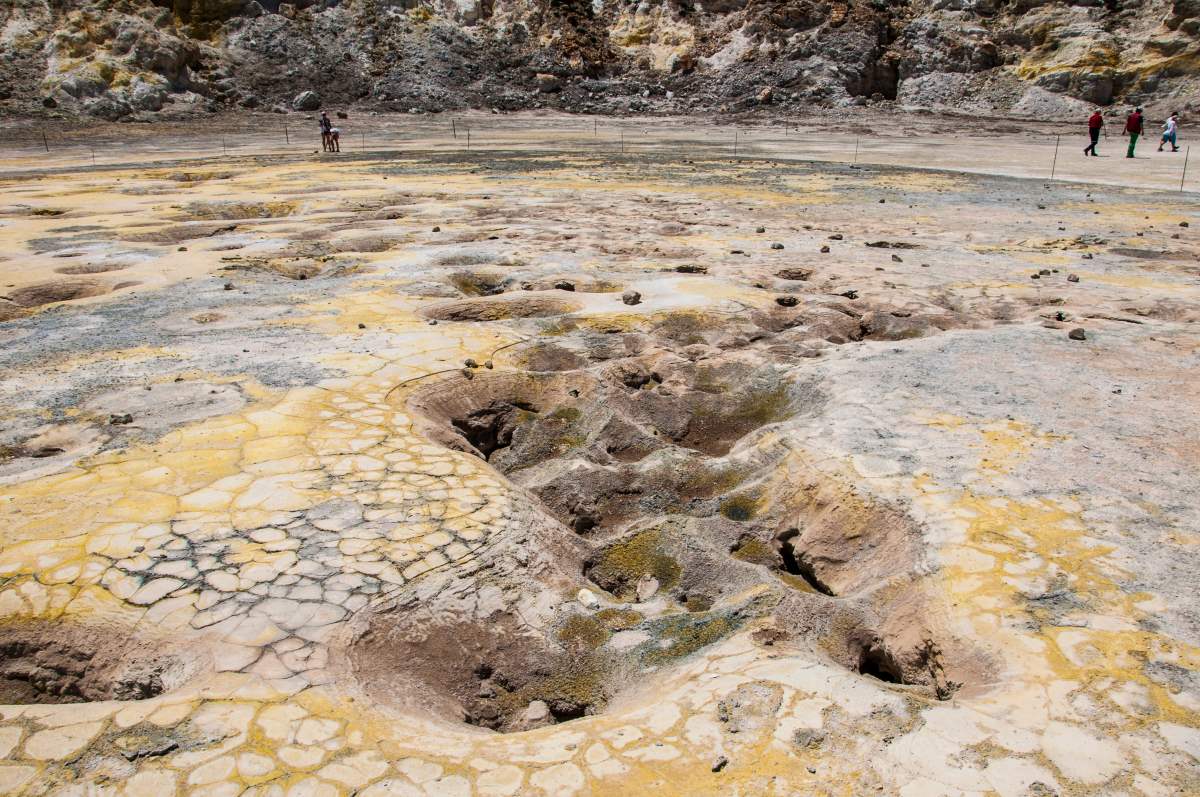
[44, 293]
[91, 268]
[876, 661]
[68, 665]
[490, 428]
[478, 283]
[495, 674]
[497, 308]
[798, 564]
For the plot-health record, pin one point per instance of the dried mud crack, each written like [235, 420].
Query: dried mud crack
[549, 473]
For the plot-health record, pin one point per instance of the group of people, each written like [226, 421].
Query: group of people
[330, 135]
[1135, 128]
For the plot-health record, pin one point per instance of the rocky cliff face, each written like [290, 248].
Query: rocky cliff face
[118, 59]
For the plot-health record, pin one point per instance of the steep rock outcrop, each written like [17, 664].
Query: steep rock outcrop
[120, 58]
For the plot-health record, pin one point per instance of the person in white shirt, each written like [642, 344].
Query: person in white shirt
[1170, 133]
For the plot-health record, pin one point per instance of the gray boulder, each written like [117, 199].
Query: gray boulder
[146, 97]
[109, 106]
[306, 101]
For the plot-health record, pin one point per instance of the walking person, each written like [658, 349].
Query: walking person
[1170, 133]
[1135, 126]
[326, 132]
[1095, 125]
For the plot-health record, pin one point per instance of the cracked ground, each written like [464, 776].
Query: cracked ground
[535, 471]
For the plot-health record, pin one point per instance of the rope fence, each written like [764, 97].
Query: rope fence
[40, 151]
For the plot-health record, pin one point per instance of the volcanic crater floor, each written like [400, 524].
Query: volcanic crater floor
[546, 473]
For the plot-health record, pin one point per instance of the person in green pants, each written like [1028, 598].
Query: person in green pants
[1135, 126]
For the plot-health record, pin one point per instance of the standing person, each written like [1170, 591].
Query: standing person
[1170, 133]
[1095, 125]
[1135, 126]
[326, 131]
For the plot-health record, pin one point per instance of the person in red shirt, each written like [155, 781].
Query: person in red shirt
[1135, 125]
[1095, 125]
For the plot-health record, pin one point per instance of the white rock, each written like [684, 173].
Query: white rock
[588, 599]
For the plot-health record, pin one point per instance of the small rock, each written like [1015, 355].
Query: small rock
[588, 599]
[120, 420]
[488, 364]
[362, 326]
[692, 269]
[882, 201]
[468, 373]
[776, 246]
[851, 294]
[761, 229]
[343, 115]
[1077, 334]
[181, 249]
[228, 286]
[786, 301]
[837, 236]
[563, 285]
[1035, 276]
[536, 711]
[824, 250]
[433, 322]
[897, 259]
[436, 229]
[470, 363]
[1072, 278]
[720, 763]
[1184, 224]
[647, 586]
[631, 298]
[1045, 272]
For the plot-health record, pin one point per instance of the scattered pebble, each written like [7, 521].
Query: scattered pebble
[120, 420]
[1072, 278]
[776, 246]
[631, 298]
[720, 763]
[1077, 334]
[564, 285]
[786, 301]
[824, 250]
